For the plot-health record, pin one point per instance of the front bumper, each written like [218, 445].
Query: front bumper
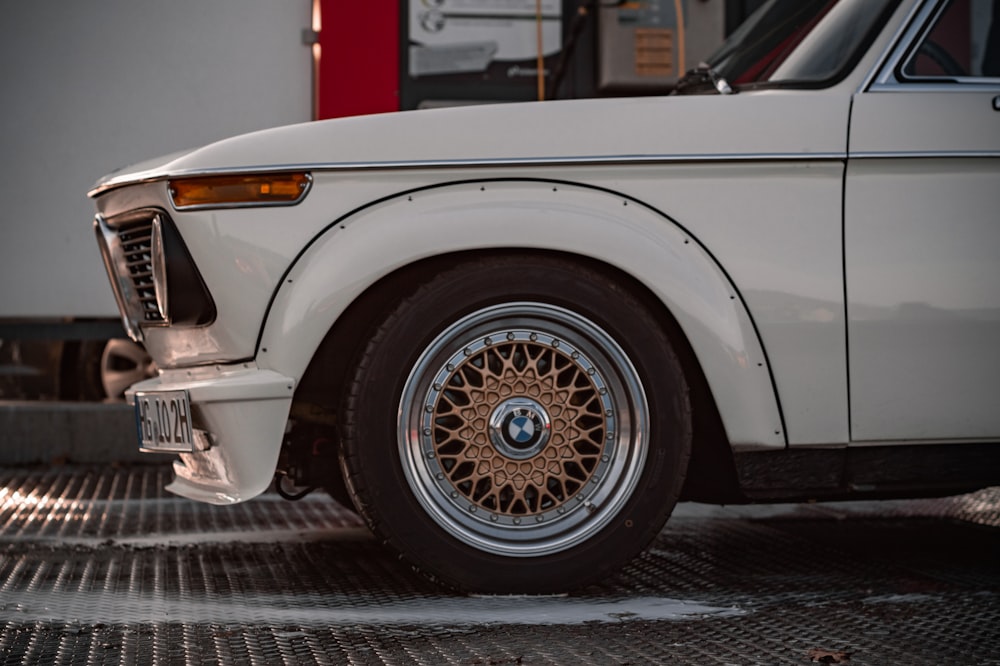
[239, 414]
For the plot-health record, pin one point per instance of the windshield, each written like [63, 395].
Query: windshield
[801, 42]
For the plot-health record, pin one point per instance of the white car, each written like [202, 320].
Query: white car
[514, 336]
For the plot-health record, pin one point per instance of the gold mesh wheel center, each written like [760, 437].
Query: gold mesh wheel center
[521, 429]
[481, 381]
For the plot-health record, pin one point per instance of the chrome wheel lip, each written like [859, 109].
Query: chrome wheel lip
[621, 460]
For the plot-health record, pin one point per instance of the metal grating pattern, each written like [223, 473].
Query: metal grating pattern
[128, 504]
[101, 566]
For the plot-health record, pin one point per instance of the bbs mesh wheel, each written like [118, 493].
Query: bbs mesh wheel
[522, 429]
[517, 425]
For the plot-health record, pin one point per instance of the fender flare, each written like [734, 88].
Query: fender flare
[356, 251]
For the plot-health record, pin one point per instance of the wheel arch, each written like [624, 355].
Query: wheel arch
[711, 474]
[352, 272]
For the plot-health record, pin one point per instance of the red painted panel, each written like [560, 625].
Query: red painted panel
[359, 61]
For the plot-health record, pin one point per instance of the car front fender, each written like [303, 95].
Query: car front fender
[355, 252]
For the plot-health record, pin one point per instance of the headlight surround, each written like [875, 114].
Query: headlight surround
[159, 268]
[144, 254]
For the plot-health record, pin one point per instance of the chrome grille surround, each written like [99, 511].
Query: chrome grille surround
[132, 248]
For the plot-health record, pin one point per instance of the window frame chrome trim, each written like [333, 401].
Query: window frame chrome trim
[963, 85]
[914, 27]
[921, 21]
[898, 37]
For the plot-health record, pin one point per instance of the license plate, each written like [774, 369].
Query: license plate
[163, 419]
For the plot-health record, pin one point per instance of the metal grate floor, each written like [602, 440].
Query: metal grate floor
[101, 566]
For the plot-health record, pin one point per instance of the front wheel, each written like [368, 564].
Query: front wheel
[517, 425]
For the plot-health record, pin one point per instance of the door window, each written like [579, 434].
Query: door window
[962, 42]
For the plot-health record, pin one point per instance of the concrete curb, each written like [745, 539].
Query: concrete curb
[85, 432]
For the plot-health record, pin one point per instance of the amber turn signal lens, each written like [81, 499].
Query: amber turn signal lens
[231, 191]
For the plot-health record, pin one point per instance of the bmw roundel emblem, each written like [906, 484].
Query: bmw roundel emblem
[521, 429]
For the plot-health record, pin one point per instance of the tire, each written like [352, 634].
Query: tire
[517, 425]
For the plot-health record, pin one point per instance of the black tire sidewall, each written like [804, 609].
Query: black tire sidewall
[371, 449]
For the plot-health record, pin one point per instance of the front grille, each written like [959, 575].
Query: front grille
[146, 258]
[137, 247]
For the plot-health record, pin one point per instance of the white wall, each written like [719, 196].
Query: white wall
[87, 86]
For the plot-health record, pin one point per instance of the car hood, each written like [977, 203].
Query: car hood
[776, 123]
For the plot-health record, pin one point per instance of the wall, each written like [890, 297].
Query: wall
[88, 87]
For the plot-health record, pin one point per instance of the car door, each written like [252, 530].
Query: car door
[922, 232]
